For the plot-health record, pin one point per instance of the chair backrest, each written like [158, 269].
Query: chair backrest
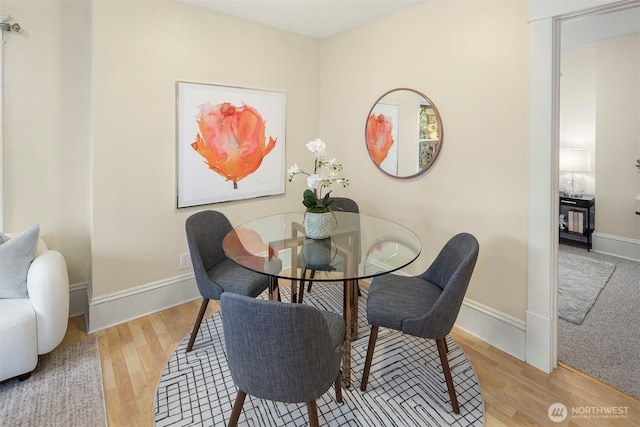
[281, 351]
[345, 205]
[205, 231]
[451, 271]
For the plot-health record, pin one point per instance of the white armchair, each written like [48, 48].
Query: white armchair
[37, 324]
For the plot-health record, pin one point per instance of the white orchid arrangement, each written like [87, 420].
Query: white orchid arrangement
[325, 173]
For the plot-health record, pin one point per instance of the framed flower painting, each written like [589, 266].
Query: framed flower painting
[230, 143]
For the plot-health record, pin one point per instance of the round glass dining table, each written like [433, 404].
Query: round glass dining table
[359, 247]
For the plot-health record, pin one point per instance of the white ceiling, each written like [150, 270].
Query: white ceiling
[580, 33]
[313, 18]
[324, 18]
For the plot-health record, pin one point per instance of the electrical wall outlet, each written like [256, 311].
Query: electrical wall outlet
[185, 261]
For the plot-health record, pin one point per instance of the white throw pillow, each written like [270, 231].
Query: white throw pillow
[16, 256]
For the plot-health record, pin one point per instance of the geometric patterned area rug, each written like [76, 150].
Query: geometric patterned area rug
[406, 385]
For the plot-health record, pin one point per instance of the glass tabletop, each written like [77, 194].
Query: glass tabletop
[360, 246]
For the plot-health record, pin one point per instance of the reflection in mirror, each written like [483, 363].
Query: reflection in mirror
[403, 133]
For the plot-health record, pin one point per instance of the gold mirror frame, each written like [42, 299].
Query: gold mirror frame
[396, 114]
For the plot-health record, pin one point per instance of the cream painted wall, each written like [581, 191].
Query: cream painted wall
[138, 233]
[475, 71]
[578, 107]
[89, 124]
[48, 126]
[473, 62]
[618, 136]
[599, 110]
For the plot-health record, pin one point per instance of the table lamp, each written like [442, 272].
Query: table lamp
[573, 161]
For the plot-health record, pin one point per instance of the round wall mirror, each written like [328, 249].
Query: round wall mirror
[403, 133]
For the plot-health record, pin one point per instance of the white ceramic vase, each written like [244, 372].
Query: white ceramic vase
[317, 252]
[317, 225]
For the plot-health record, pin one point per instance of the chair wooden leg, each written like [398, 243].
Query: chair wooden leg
[237, 408]
[313, 274]
[304, 275]
[274, 288]
[446, 346]
[196, 326]
[312, 408]
[294, 291]
[338, 387]
[373, 336]
[278, 289]
[301, 290]
[447, 373]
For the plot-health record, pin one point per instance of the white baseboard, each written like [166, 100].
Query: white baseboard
[539, 350]
[622, 247]
[140, 301]
[494, 327]
[78, 299]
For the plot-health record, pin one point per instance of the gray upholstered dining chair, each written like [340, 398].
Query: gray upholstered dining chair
[214, 272]
[284, 352]
[425, 305]
[341, 204]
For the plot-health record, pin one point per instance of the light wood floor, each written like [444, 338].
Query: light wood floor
[134, 354]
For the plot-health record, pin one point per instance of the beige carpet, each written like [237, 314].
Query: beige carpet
[605, 345]
[65, 390]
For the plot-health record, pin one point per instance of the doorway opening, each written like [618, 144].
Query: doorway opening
[598, 262]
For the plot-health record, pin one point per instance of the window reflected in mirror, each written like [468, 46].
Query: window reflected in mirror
[403, 133]
[429, 135]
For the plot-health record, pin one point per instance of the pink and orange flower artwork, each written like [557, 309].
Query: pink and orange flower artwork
[232, 139]
[379, 137]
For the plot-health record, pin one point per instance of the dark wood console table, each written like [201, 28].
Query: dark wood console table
[579, 216]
